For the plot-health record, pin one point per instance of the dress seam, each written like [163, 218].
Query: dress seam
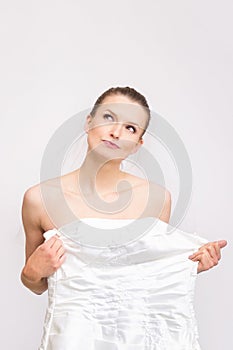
[50, 311]
[191, 289]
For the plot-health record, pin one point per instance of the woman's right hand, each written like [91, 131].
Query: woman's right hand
[45, 260]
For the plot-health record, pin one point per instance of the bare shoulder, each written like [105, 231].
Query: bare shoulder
[34, 214]
[144, 184]
[165, 200]
[159, 194]
[160, 200]
[33, 196]
[32, 200]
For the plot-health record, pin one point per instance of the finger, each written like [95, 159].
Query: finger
[217, 250]
[222, 243]
[51, 241]
[194, 255]
[205, 262]
[57, 245]
[59, 261]
[210, 248]
[197, 257]
[204, 246]
[205, 259]
[62, 259]
[212, 253]
[60, 251]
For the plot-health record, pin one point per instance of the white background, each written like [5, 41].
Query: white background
[57, 57]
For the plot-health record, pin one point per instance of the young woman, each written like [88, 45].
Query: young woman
[99, 190]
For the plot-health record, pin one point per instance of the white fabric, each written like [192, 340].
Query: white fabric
[136, 296]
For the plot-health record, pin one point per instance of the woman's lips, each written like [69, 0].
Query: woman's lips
[110, 144]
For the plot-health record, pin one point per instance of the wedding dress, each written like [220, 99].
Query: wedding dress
[129, 296]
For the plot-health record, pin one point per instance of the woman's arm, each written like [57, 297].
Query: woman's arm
[42, 258]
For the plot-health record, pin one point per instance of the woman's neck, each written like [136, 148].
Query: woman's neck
[97, 174]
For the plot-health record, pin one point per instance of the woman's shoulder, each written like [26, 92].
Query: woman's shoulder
[53, 183]
[158, 198]
[143, 184]
[37, 197]
[34, 193]
[32, 207]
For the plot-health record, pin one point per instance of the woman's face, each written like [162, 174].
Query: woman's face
[116, 128]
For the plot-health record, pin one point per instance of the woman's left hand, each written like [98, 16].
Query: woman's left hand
[208, 255]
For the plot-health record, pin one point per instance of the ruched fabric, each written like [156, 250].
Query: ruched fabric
[136, 296]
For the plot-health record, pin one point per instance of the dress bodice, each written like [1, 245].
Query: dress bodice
[122, 290]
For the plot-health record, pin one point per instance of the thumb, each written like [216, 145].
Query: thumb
[222, 243]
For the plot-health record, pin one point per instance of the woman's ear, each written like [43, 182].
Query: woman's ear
[87, 122]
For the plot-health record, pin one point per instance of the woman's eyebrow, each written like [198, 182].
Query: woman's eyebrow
[108, 110]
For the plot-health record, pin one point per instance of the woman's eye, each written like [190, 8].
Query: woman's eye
[131, 128]
[108, 116]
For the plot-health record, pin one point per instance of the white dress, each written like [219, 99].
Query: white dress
[138, 295]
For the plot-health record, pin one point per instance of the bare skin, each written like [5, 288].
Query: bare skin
[98, 178]
[44, 258]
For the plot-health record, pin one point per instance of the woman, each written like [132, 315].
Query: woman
[103, 192]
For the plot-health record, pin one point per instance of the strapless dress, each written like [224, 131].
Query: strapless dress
[137, 293]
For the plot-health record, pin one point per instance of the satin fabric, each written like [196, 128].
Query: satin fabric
[136, 296]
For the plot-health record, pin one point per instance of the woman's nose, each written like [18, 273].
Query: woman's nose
[116, 129]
